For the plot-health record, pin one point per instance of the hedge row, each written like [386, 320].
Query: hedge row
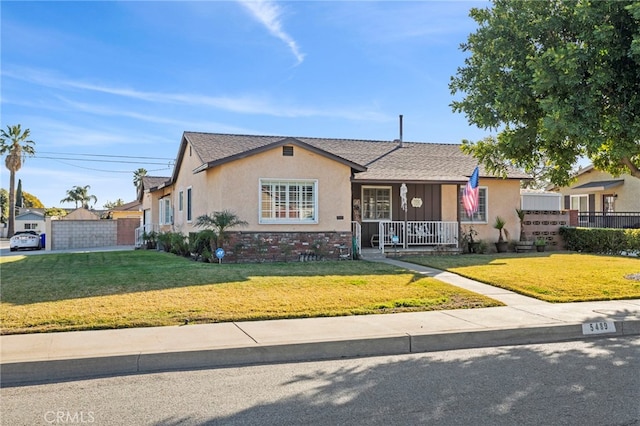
[601, 240]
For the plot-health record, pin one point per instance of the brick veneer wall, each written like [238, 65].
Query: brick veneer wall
[245, 247]
[546, 224]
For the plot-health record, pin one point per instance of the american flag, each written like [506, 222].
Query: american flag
[470, 194]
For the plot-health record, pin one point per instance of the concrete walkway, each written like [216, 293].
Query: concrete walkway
[37, 358]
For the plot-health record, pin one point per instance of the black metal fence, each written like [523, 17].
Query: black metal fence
[620, 220]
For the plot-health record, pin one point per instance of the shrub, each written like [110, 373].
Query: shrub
[601, 240]
[207, 257]
[199, 242]
[179, 244]
[633, 239]
[164, 238]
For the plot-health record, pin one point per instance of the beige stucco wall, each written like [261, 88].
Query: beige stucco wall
[628, 193]
[503, 197]
[200, 193]
[150, 201]
[235, 186]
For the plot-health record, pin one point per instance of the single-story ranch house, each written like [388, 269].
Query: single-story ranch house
[304, 194]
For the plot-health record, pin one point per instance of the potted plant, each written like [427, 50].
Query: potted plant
[523, 244]
[468, 239]
[501, 245]
[150, 239]
[540, 244]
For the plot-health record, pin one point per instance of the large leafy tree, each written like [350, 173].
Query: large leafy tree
[80, 194]
[113, 204]
[55, 211]
[16, 144]
[557, 80]
[30, 200]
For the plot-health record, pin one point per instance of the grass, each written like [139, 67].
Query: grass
[63, 292]
[553, 277]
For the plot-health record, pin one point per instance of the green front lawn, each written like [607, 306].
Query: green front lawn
[554, 277]
[61, 292]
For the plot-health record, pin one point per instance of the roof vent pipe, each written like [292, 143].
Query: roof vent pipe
[400, 144]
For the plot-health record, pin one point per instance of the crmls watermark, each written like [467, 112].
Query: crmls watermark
[69, 417]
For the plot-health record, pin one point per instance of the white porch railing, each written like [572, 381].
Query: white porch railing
[146, 228]
[417, 233]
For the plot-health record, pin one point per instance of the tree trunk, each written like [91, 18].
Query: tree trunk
[12, 203]
[635, 171]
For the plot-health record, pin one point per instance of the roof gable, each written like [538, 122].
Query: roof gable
[30, 215]
[251, 147]
[151, 183]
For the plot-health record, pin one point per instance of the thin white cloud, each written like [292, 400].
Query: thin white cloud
[268, 14]
[244, 104]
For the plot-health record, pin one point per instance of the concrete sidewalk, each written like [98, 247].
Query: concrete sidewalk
[35, 358]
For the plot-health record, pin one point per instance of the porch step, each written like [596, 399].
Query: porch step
[376, 254]
[423, 252]
[371, 254]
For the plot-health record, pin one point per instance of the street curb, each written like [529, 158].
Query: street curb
[46, 371]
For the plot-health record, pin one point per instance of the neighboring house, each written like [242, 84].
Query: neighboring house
[603, 200]
[132, 209]
[81, 214]
[304, 191]
[148, 203]
[30, 220]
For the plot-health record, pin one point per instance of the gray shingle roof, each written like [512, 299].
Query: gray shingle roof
[149, 182]
[130, 206]
[384, 160]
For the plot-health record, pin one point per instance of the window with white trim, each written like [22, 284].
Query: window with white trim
[288, 201]
[180, 201]
[376, 203]
[580, 203]
[166, 213]
[481, 214]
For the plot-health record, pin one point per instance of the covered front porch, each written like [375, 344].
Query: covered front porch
[410, 235]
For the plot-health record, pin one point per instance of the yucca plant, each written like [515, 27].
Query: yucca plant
[500, 226]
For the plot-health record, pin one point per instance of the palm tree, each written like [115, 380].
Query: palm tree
[72, 196]
[137, 177]
[15, 143]
[219, 222]
[79, 194]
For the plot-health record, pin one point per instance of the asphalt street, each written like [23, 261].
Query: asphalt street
[595, 382]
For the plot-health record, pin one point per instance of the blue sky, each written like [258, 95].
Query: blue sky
[118, 83]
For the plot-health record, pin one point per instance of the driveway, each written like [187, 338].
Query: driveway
[4, 250]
